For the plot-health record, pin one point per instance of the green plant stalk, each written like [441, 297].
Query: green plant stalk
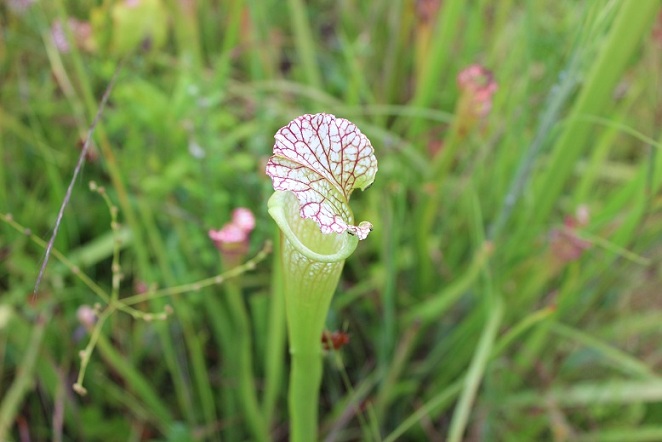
[629, 365]
[222, 329]
[304, 42]
[230, 41]
[394, 371]
[440, 169]
[434, 406]
[242, 362]
[397, 38]
[394, 216]
[175, 365]
[430, 74]
[14, 396]
[430, 310]
[311, 263]
[476, 371]
[187, 33]
[263, 62]
[593, 393]
[137, 382]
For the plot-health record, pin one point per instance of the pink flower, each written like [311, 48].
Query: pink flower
[81, 30]
[233, 237]
[478, 84]
[244, 219]
[87, 316]
[229, 234]
[19, 6]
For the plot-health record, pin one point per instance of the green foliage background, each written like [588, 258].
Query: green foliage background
[465, 321]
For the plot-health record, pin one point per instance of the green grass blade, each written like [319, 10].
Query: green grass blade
[632, 22]
[476, 371]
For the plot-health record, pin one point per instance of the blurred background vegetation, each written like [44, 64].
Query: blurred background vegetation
[509, 291]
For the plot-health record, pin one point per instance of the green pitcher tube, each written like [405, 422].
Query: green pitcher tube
[311, 263]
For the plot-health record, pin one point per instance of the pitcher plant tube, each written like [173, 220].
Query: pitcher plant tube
[318, 160]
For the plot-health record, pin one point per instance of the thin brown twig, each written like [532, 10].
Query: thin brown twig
[79, 166]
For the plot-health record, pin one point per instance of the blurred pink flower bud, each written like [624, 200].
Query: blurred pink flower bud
[478, 84]
[233, 237]
[229, 234]
[427, 10]
[86, 316]
[59, 37]
[244, 219]
[566, 246]
[582, 215]
[81, 31]
[19, 6]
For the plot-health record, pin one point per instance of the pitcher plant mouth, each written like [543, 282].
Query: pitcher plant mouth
[304, 234]
[322, 159]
